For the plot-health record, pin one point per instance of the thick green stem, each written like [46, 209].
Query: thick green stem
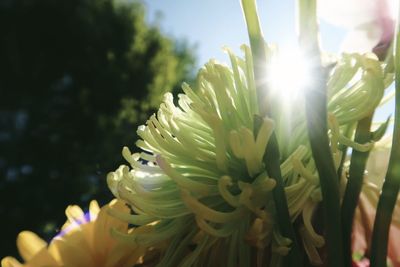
[390, 189]
[257, 45]
[354, 185]
[348, 132]
[272, 166]
[317, 132]
[272, 155]
[316, 112]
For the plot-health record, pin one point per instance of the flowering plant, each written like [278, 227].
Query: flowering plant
[245, 169]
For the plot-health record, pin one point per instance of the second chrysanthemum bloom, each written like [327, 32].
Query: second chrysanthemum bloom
[84, 241]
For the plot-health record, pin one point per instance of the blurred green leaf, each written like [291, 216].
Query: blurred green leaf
[76, 79]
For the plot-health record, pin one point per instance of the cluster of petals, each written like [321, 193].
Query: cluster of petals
[84, 241]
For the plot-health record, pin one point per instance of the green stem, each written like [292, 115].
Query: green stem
[272, 155]
[354, 185]
[390, 189]
[316, 112]
[348, 132]
[272, 165]
[317, 132]
[257, 45]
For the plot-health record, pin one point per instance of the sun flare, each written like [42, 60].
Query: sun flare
[288, 74]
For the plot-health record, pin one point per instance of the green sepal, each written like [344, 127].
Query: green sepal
[378, 133]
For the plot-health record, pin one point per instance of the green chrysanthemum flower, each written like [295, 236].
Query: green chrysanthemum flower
[201, 181]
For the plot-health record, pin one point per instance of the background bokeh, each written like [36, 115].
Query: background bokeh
[76, 79]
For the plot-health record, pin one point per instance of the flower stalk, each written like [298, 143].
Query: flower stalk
[271, 157]
[354, 184]
[391, 185]
[316, 112]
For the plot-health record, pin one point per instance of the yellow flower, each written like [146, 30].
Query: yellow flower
[84, 241]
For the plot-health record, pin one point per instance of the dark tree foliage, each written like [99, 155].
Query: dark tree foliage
[76, 79]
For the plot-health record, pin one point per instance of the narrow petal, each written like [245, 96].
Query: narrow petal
[94, 209]
[75, 214]
[10, 262]
[29, 244]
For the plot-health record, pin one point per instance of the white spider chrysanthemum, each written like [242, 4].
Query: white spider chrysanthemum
[201, 178]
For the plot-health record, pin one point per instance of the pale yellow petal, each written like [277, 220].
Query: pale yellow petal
[42, 259]
[127, 254]
[71, 254]
[85, 235]
[124, 255]
[77, 237]
[75, 213]
[10, 262]
[119, 205]
[102, 240]
[75, 217]
[29, 244]
[94, 209]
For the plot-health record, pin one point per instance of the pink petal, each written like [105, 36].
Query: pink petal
[348, 13]
[371, 22]
[362, 263]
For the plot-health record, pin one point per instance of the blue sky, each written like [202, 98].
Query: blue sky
[212, 24]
